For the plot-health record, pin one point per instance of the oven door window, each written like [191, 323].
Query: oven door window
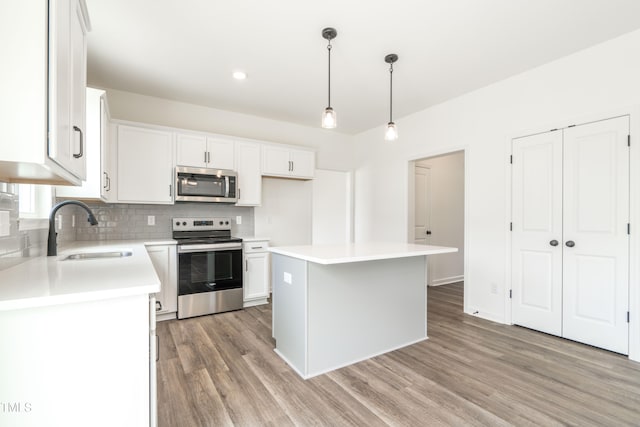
[209, 271]
[202, 185]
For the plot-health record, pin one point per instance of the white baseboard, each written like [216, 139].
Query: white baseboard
[446, 280]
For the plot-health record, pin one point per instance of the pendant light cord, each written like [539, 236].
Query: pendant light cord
[391, 93]
[329, 72]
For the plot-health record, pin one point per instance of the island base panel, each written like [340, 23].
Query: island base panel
[334, 315]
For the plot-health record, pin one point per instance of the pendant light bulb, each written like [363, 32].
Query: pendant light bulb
[329, 119]
[392, 132]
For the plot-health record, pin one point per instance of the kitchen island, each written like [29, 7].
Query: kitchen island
[334, 305]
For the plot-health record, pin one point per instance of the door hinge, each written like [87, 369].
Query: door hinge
[571, 126]
[510, 226]
[510, 293]
[511, 159]
[553, 130]
[628, 317]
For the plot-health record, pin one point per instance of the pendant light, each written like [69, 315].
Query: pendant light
[391, 133]
[329, 116]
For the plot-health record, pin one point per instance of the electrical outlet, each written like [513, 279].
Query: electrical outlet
[73, 221]
[287, 278]
[494, 288]
[151, 220]
[238, 220]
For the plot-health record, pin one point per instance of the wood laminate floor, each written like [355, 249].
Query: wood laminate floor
[221, 370]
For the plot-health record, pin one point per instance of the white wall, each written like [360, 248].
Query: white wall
[334, 150]
[285, 214]
[596, 80]
[447, 216]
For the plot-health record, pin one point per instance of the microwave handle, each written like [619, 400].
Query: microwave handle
[226, 186]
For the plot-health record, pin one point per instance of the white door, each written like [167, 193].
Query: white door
[191, 150]
[537, 232]
[596, 240]
[422, 205]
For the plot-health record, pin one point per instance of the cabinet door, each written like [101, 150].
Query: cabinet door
[537, 232]
[191, 150]
[303, 163]
[249, 176]
[60, 147]
[220, 153]
[78, 86]
[145, 167]
[256, 283]
[163, 258]
[91, 187]
[596, 214]
[275, 161]
[106, 169]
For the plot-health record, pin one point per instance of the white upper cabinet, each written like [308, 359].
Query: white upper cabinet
[145, 165]
[43, 91]
[248, 155]
[288, 162]
[96, 183]
[203, 151]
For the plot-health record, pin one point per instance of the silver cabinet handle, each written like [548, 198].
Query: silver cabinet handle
[208, 156]
[108, 183]
[81, 153]
[170, 193]
[106, 179]
[157, 347]
[205, 157]
[292, 165]
[158, 306]
[238, 194]
[246, 265]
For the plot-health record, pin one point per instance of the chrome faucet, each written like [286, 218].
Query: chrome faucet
[52, 246]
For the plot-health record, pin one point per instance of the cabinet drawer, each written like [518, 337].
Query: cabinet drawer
[249, 247]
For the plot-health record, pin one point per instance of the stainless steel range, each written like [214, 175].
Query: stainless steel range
[209, 266]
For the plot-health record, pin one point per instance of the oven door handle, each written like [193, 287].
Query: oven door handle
[185, 249]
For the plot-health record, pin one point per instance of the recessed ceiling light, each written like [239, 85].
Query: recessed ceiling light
[239, 75]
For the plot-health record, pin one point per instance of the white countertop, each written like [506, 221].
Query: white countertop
[255, 239]
[44, 281]
[356, 252]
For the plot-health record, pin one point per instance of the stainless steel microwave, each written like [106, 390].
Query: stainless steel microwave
[206, 185]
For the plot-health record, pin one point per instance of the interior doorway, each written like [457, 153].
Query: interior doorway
[437, 212]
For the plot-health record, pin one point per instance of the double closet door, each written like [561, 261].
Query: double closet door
[570, 233]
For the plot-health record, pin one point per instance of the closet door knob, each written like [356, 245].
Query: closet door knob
[553, 243]
[570, 243]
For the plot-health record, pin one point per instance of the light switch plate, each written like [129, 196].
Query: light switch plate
[5, 223]
[287, 278]
[151, 220]
[238, 220]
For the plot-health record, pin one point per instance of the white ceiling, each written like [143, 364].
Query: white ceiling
[186, 50]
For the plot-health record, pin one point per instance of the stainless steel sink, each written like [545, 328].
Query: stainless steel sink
[98, 255]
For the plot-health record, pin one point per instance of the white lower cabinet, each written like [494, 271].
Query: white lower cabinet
[164, 261]
[256, 272]
[82, 363]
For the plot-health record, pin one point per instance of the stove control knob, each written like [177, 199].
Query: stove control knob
[178, 223]
[184, 223]
[226, 223]
[221, 222]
